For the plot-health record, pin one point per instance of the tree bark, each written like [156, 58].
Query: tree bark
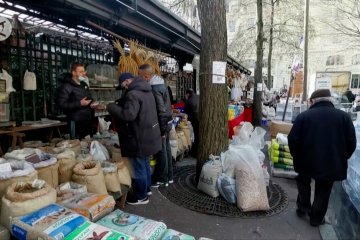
[213, 97]
[270, 43]
[257, 113]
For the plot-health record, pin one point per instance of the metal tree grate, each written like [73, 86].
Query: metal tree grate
[184, 192]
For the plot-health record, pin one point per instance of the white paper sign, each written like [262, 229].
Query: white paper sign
[5, 168]
[259, 87]
[323, 83]
[219, 69]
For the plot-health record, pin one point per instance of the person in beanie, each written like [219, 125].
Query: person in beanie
[139, 133]
[163, 174]
[321, 141]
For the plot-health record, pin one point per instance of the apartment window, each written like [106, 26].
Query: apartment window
[335, 60]
[356, 59]
[355, 81]
[251, 22]
[232, 26]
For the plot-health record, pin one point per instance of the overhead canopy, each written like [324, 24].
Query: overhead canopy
[145, 20]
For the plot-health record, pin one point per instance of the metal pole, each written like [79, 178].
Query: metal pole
[306, 45]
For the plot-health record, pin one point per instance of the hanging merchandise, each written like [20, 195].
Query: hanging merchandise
[49, 223]
[90, 205]
[25, 197]
[29, 80]
[236, 91]
[6, 76]
[91, 175]
[126, 63]
[139, 227]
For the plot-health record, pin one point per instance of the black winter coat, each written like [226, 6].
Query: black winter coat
[321, 141]
[192, 108]
[136, 120]
[68, 100]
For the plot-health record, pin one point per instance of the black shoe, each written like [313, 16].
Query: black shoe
[316, 224]
[300, 213]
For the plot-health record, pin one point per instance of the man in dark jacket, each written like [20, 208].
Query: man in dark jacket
[321, 141]
[139, 133]
[163, 173]
[192, 110]
[75, 100]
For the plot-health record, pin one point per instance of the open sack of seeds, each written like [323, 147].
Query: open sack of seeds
[25, 197]
[52, 222]
[124, 171]
[68, 190]
[139, 227]
[90, 174]
[90, 205]
[111, 176]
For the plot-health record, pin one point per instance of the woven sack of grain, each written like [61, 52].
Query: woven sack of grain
[124, 171]
[91, 175]
[67, 162]
[187, 133]
[84, 157]
[49, 174]
[111, 176]
[74, 145]
[22, 198]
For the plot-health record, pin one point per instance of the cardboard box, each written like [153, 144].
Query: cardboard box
[279, 127]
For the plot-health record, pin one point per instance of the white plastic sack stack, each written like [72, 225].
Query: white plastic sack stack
[23, 198]
[209, 175]
[139, 227]
[99, 151]
[29, 80]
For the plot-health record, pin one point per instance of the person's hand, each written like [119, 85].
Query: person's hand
[85, 101]
[94, 105]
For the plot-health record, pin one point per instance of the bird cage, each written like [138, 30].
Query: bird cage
[101, 75]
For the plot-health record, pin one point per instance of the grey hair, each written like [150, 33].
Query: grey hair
[322, 99]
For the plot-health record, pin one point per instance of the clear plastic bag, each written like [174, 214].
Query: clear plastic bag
[227, 188]
[99, 151]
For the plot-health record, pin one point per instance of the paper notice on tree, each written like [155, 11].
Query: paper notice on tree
[219, 69]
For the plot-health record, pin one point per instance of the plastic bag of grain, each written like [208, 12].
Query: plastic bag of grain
[74, 145]
[90, 205]
[50, 174]
[226, 187]
[111, 176]
[67, 162]
[4, 233]
[20, 172]
[52, 222]
[68, 190]
[209, 175]
[90, 174]
[171, 234]
[124, 171]
[25, 197]
[94, 231]
[139, 227]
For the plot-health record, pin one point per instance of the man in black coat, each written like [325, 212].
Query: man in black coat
[163, 173]
[321, 141]
[139, 132]
[75, 100]
[192, 110]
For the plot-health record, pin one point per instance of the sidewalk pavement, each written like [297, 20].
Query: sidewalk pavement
[285, 225]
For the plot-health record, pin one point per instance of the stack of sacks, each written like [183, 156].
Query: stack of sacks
[25, 197]
[279, 153]
[133, 225]
[51, 223]
[90, 205]
[45, 163]
[13, 172]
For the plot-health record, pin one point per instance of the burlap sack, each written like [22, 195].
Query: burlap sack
[50, 174]
[21, 199]
[111, 177]
[90, 174]
[5, 183]
[187, 134]
[33, 144]
[182, 142]
[74, 145]
[115, 154]
[124, 171]
[67, 162]
[84, 157]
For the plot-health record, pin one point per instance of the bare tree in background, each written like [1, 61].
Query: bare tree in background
[213, 97]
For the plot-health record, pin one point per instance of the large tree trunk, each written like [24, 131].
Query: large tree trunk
[213, 97]
[257, 113]
[270, 43]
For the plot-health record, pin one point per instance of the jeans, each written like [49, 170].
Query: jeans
[140, 176]
[318, 208]
[164, 168]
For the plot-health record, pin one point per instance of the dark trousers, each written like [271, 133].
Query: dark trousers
[164, 167]
[318, 208]
[80, 129]
[140, 176]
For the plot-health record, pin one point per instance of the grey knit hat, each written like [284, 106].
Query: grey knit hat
[320, 93]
